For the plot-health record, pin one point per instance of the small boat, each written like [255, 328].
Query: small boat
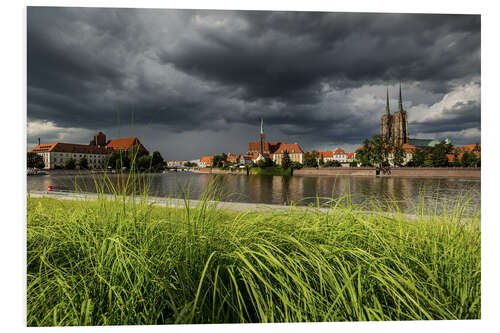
[35, 172]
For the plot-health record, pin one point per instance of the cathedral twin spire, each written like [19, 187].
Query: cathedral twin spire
[400, 100]
[387, 104]
[400, 103]
[395, 127]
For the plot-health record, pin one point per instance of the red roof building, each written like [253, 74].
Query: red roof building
[460, 150]
[231, 158]
[338, 155]
[124, 144]
[327, 155]
[57, 153]
[70, 148]
[269, 147]
[206, 161]
[294, 151]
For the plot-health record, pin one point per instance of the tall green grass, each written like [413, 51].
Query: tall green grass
[121, 260]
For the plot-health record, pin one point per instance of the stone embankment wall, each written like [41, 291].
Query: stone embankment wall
[219, 171]
[63, 172]
[335, 172]
[472, 173]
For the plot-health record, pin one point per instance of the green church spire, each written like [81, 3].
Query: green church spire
[400, 99]
[387, 104]
[261, 126]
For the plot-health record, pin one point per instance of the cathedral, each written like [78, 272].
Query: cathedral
[395, 127]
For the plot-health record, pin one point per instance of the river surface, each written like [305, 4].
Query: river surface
[366, 191]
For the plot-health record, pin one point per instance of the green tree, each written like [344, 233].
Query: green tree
[134, 154]
[332, 163]
[118, 160]
[399, 155]
[144, 163]
[34, 160]
[218, 161]
[456, 159]
[266, 162]
[69, 164]
[419, 157]
[157, 160]
[375, 151]
[310, 160]
[296, 165]
[438, 154]
[321, 160]
[428, 161]
[285, 161]
[470, 160]
[353, 164]
[363, 155]
[381, 149]
[83, 163]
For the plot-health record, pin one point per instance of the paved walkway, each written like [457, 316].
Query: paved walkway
[179, 203]
[173, 202]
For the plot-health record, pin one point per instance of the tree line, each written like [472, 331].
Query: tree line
[380, 152]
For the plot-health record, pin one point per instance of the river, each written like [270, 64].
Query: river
[369, 191]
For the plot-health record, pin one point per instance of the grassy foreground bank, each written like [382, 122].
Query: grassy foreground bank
[108, 262]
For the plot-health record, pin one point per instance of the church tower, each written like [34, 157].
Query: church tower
[400, 123]
[100, 139]
[386, 122]
[395, 127]
[262, 144]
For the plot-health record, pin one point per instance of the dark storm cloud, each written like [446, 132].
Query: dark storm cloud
[283, 53]
[190, 70]
[460, 117]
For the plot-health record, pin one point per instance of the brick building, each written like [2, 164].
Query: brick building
[206, 161]
[273, 150]
[338, 155]
[57, 153]
[294, 151]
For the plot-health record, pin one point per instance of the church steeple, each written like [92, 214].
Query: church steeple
[387, 104]
[400, 108]
[262, 142]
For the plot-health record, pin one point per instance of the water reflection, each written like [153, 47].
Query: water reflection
[299, 190]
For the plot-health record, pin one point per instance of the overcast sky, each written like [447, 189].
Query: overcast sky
[191, 83]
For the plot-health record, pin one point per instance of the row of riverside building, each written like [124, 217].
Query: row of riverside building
[260, 150]
[55, 154]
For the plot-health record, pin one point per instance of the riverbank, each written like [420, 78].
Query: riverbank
[166, 202]
[457, 173]
[460, 173]
[76, 172]
[85, 172]
[269, 171]
[109, 262]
